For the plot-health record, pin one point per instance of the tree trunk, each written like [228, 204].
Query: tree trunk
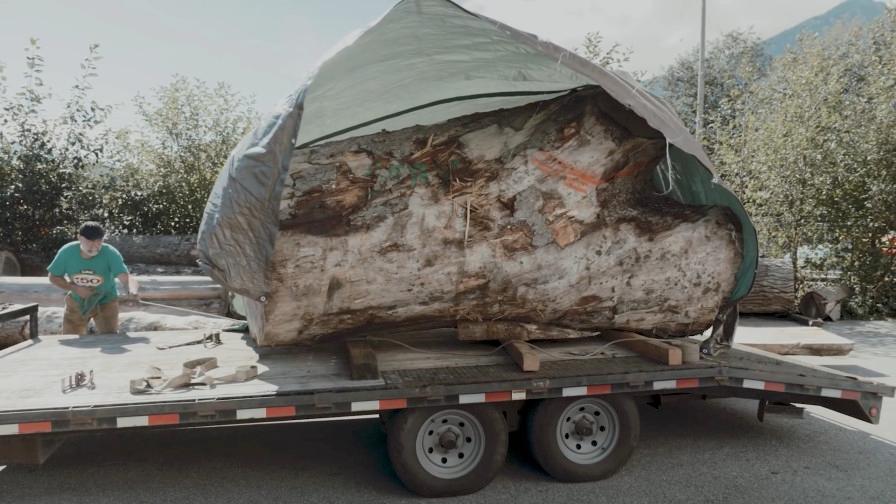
[162, 249]
[191, 292]
[773, 290]
[824, 302]
[545, 213]
[9, 265]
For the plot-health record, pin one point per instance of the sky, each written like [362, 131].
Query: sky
[266, 48]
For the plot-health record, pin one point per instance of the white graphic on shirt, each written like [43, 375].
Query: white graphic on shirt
[87, 278]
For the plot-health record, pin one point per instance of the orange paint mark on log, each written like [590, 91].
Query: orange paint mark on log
[576, 178]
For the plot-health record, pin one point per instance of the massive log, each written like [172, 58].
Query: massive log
[544, 213]
[773, 289]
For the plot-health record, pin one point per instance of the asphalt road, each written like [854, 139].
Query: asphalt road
[689, 452]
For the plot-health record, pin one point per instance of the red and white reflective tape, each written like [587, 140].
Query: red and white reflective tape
[272, 412]
[380, 405]
[148, 420]
[487, 397]
[764, 385]
[587, 390]
[682, 383]
[25, 428]
[841, 394]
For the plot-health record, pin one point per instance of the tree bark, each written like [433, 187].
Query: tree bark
[545, 213]
[773, 290]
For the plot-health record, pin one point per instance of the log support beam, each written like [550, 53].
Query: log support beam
[655, 350]
[362, 360]
[524, 355]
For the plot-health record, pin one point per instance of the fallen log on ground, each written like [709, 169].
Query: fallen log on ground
[191, 292]
[773, 289]
[824, 302]
[9, 264]
[156, 249]
[547, 213]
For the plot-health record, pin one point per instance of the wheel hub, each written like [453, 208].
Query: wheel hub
[587, 431]
[448, 439]
[450, 444]
[584, 426]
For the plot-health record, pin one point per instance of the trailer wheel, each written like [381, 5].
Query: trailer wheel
[445, 452]
[583, 439]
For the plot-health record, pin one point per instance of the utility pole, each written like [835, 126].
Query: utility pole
[701, 73]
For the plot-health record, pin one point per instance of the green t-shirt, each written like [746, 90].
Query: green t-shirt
[99, 271]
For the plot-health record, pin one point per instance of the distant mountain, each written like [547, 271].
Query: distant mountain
[861, 11]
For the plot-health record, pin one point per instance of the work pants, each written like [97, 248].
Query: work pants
[105, 317]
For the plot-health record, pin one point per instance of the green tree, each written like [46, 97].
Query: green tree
[813, 154]
[594, 49]
[43, 159]
[169, 164]
[733, 63]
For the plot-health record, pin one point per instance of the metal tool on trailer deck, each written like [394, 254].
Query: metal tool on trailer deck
[209, 340]
[79, 379]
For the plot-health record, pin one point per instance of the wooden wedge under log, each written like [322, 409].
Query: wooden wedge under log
[655, 350]
[524, 355]
[362, 360]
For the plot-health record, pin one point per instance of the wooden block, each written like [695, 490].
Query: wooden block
[524, 355]
[504, 331]
[652, 349]
[362, 360]
[690, 349]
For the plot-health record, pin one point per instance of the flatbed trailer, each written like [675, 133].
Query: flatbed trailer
[447, 405]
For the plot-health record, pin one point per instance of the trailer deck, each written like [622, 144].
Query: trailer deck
[303, 382]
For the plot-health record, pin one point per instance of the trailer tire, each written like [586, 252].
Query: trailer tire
[441, 452]
[583, 439]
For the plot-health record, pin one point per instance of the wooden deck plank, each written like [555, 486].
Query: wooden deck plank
[32, 374]
[33, 370]
[649, 348]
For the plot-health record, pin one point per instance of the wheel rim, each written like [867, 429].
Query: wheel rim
[450, 444]
[587, 431]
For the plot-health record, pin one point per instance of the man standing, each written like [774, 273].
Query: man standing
[86, 269]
